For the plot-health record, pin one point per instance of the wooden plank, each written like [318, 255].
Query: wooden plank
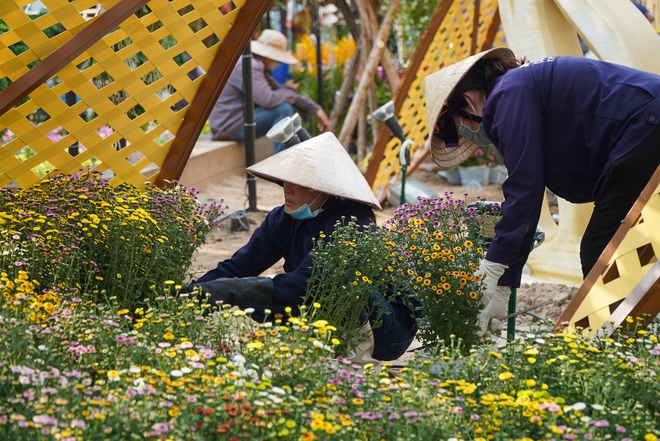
[607, 254]
[95, 30]
[492, 31]
[209, 90]
[475, 27]
[400, 94]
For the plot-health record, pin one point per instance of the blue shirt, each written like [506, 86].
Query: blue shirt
[642, 8]
[281, 236]
[560, 123]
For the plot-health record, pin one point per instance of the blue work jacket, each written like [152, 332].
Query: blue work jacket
[281, 236]
[560, 123]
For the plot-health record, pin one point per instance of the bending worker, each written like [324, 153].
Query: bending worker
[322, 185]
[273, 102]
[585, 129]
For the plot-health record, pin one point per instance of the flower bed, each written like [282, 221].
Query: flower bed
[82, 363]
[168, 371]
[79, 232]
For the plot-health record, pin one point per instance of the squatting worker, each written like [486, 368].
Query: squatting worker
[322, 185]
[585, 129]
[273, 102]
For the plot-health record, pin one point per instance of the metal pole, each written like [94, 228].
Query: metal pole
[316, 24]
[267, 23]
[290, 11]
[249, 126]
[511, 322]
[71, 99]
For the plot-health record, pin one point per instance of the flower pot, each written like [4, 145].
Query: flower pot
[414, 189]
[498, 174]
[451, 175]
[477, 174]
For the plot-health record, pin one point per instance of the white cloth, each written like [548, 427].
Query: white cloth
[364, 351]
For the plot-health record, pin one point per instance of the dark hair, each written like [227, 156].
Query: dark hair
[478, 78]
[484, 72]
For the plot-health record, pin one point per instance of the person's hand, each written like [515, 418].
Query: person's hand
[495, 298]
[292, 84]
[497, 307]
[245, 291]
[490, 273]
[323, 123]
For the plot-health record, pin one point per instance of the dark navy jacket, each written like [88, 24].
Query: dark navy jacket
[282, 236]
[560, 123]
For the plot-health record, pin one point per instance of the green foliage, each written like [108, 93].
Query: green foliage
[76, 231]
[441, 243]
[169, 371]
[308, 86]
[483, 156]
[429, 249]
[349, 268]
[414, 16]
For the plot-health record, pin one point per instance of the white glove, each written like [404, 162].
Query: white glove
[495, 299]
[497, 307]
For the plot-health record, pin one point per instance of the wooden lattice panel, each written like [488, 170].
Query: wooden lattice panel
[451, 43]
[133, 87]
[633, 253]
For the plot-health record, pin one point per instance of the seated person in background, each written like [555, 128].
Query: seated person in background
[321, 186]
[273, 102]
[648, 14]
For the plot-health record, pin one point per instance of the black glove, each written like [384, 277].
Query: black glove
[239, 291]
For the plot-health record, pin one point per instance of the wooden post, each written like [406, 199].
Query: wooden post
[367, 74]
[373, 105]
[348, 17]
[345, 89]
[362, 132]
[386, 62]
[349, 77]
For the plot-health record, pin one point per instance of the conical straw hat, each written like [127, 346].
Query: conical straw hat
[438, 88]
[321, 163]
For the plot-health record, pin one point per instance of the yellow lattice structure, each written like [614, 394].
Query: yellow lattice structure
[449, 38]
[628, 269]
[131, 74]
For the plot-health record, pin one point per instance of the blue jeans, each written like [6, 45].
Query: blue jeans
[391, 339]
[265, 119]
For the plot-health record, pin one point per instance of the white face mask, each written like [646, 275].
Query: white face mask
[478, 137]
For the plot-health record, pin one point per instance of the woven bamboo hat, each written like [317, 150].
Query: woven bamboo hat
[272, 44]
[321, 163]
[438, 88]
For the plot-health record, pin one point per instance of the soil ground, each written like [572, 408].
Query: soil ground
[233, 189]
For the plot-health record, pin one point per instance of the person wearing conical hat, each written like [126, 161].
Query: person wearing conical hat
[272, 101]
[585, 129]
[322, 185]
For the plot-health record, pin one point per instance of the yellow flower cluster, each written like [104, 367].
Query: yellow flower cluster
[331, 54]
[22, 296]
